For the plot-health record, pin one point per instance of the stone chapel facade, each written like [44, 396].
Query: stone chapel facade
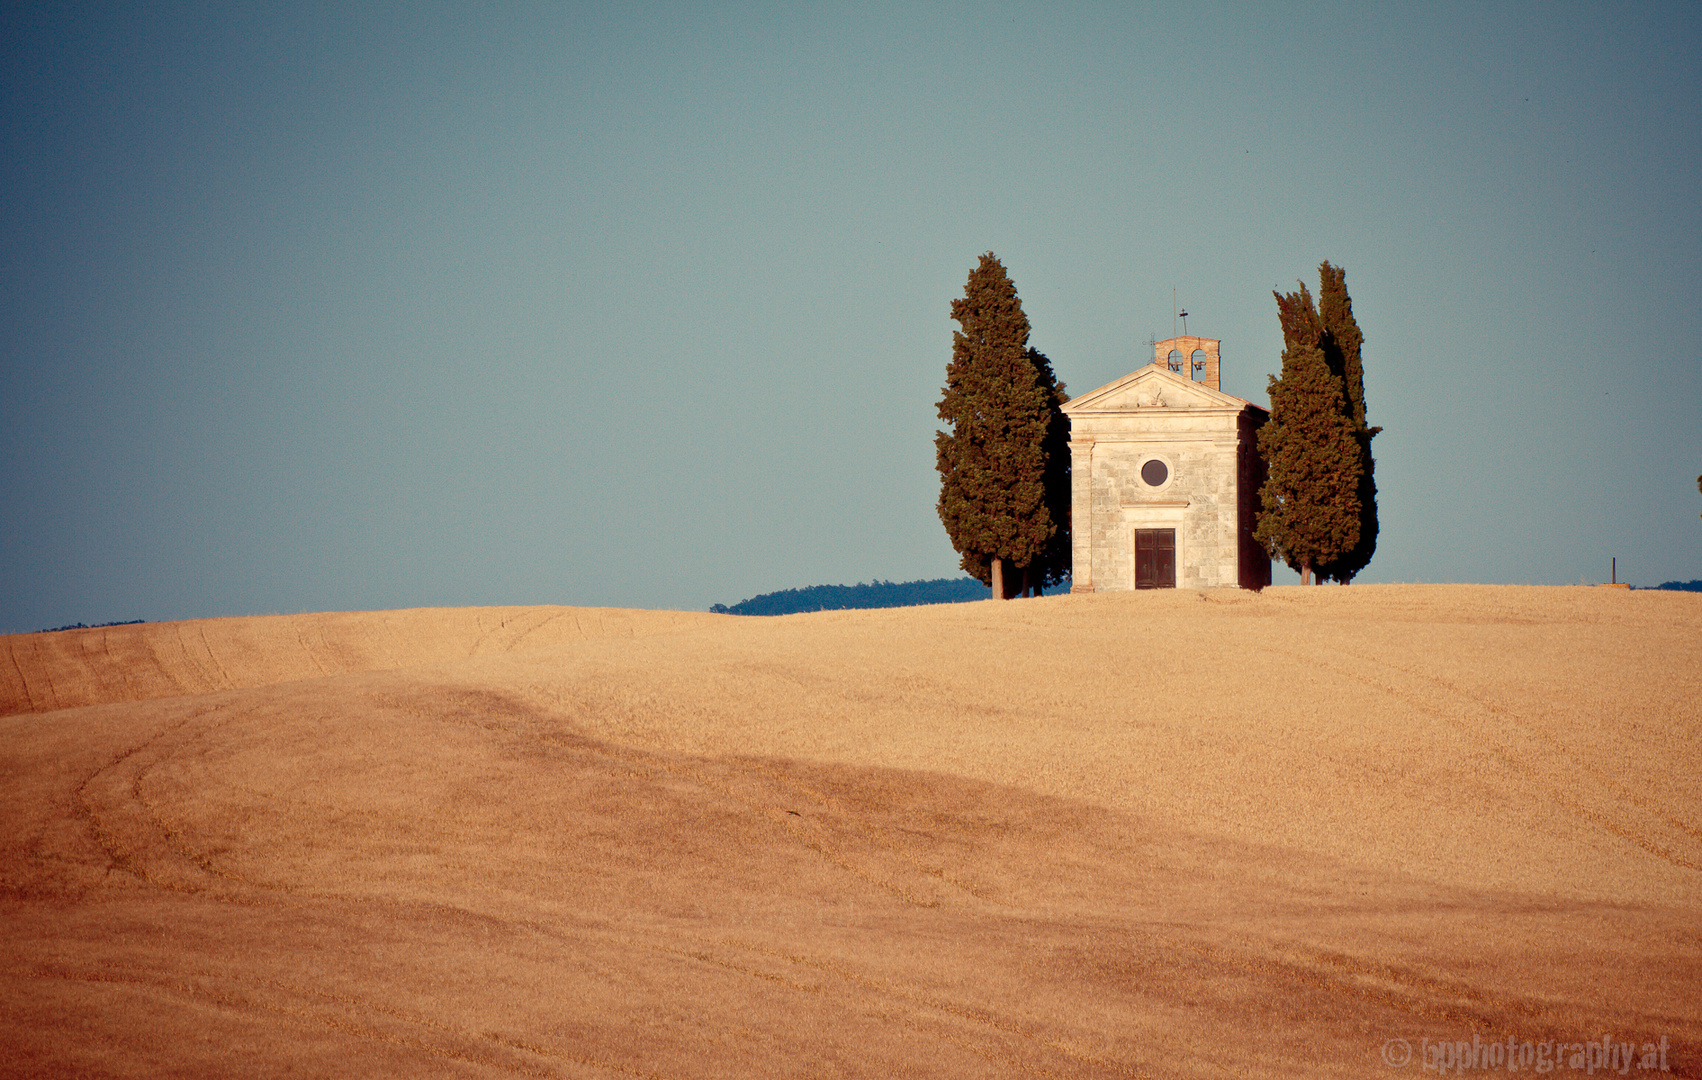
[1165, 476]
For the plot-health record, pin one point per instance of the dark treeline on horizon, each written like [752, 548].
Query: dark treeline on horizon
[88, 626]
[875, 594]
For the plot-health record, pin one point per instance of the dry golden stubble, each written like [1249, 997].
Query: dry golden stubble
[1162, 835]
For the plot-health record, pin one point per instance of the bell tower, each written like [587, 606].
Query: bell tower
[1193, 358]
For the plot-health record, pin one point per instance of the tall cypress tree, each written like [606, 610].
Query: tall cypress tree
[1341, 341]
[1056, 561]
[1309, 505]
[993, 463]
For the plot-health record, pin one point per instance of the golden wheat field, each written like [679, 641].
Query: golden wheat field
[1165, 834]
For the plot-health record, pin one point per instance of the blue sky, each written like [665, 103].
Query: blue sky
[351, 307]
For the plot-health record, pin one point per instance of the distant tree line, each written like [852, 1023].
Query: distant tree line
[96, 626]
[875, 594]
[1679, 586]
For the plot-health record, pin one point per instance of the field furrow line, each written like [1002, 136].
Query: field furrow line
[1501, 748]
[23, 680]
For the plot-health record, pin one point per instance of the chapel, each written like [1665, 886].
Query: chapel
[1165, 475]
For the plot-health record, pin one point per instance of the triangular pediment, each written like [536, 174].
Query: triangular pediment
[1153, 387]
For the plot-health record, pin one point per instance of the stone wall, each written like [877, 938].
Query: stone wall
[1209, 496]
[1199, 500]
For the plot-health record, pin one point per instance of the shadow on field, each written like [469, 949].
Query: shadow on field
[368, 877]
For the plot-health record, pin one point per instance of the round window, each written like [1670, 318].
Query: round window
[1155, 473]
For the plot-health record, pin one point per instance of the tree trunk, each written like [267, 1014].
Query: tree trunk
[998, 578]
[1306, 572]
[1027, 584]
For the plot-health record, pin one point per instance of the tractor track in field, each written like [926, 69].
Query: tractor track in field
[1480, 728]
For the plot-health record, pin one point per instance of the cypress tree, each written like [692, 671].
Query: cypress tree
[1341, 342]
[993, 463]
[1309, 505]
[1056, 561]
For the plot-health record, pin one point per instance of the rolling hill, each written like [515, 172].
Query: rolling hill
[1155, 834]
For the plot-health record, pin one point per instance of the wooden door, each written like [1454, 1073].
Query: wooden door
[1155, 558]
